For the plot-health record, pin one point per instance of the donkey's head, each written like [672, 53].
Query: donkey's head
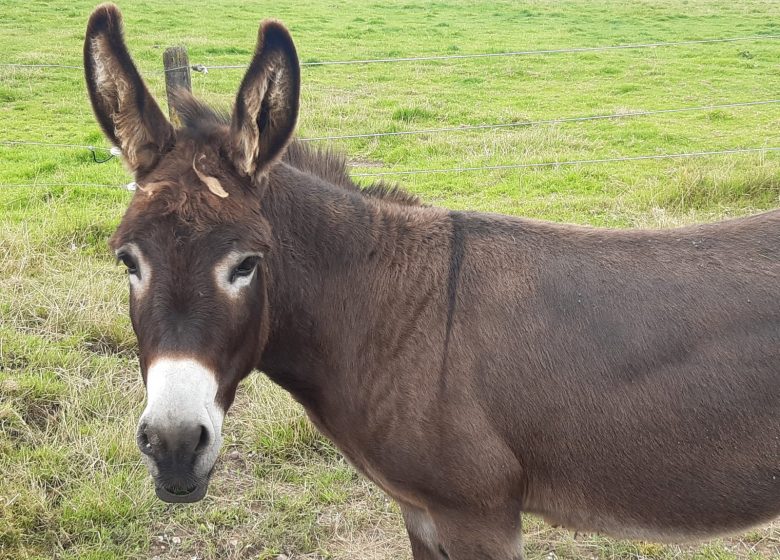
[193, 240]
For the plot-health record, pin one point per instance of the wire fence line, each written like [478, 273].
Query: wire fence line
[66, 184]
[204, 68]
[456, 128]
[571, 162]
[51, 145]
[510, 53]
[683, 155]
[19, 65]
[464, 128]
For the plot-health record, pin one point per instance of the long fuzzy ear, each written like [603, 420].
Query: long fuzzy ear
[266, 108]
[125, 109]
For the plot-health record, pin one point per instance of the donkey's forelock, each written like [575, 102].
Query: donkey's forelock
[187, 209]
[199, 120]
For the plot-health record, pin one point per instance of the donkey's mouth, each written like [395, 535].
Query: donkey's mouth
[183, 490]
[177, 496]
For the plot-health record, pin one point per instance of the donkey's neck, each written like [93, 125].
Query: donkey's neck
[347, 278]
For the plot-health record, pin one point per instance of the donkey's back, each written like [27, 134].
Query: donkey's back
[635, 375]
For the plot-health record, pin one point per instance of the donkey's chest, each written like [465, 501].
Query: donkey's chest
[371, 469]
[396, 489]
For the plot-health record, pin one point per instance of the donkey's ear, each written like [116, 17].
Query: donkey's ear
[266, 107]
[125, 109]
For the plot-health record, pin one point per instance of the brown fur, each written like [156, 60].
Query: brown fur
[476, 366]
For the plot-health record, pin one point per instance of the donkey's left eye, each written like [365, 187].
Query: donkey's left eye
[244, 268]
[129, 262]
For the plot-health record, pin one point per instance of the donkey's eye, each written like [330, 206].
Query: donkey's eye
[244, 268]
[129, 262]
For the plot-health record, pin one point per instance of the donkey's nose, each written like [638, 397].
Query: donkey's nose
[177, 445]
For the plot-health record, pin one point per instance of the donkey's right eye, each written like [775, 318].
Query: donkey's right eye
[244, 268]
[129, 262]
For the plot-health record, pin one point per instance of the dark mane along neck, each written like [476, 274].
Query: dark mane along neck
[332, 168]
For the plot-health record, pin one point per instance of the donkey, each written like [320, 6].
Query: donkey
[474, 366]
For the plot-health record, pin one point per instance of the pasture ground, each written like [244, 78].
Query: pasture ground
[71, 484]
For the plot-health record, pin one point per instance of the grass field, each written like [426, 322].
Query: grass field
[71, 483]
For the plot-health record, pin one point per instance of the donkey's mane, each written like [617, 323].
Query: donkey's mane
[201, 120]
[332, 167]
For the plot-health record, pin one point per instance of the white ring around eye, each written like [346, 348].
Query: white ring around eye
[223, 272]
[138, 282]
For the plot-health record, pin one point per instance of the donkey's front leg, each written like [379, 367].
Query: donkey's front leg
[422, 534]
[484, 535]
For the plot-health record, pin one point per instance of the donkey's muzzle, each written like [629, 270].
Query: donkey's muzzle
[179, 445]
[179, 433]
[175, 453]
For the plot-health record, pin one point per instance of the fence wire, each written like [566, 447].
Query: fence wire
[464, 128]
[570, 162]
[765, 149]
[204, 68]
[517, 53]
[458, 128]
[19, 65]
[51, 145]
[66, 184]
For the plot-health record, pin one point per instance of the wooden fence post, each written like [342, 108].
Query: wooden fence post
[177, 75]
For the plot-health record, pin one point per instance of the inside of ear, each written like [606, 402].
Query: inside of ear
[266, 108]
[126, 111]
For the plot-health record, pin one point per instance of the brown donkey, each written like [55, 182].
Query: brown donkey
[474, 366]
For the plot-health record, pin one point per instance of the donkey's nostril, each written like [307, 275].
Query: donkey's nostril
[143, 440]
[203, 440]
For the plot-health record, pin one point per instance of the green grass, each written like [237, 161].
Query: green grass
[72, 485]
